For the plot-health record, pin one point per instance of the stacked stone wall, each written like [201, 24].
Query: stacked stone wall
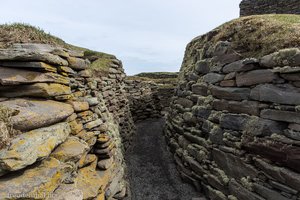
[234, 123]
[67, 143]
[147, 98]
[144, 100]
[257, 7]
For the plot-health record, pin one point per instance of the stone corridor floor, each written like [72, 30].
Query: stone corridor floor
[151, 170]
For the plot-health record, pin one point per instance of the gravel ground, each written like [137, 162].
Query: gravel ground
[151, 171]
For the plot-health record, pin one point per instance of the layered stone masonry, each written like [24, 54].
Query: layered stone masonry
[234, 124]
[144, 100]
[113, 89]
[149, 94]
[256, 7]
[69, 144]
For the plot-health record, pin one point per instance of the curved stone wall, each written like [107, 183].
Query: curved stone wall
[67, 143]
[258, 7]
[234, 123]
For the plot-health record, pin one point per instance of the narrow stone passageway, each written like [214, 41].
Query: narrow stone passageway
[152, 172]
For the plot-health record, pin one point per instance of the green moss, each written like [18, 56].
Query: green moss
[101, 65]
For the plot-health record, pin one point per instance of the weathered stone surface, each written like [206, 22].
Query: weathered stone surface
[79, 106]
[278, 152]
[247, 107]
[234, 121]
[202, 67]
[185, 102]
[71, 150]
[255, 77]
[283, 94]
[30, 55]
[93, 124]
[34, 183]
[285, 57]
[228, 83]
[200, 89]
[268, 193]
[85, 73]
[242, 193]
[241, 65]
[104, 164]
[292, 134]
[67, 192]
[77, 63]
[278, 115]
[291, 77]
[283, 175]
[295, 127]
[89, 182]
[232, 165]
[230, 93]
[213, 78]
[36, 90]
[12, 76]
[92, 101]
[263, 127]
[40, 66]
[35, 145]
[34, 114]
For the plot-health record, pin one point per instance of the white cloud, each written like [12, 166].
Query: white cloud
[146, 35]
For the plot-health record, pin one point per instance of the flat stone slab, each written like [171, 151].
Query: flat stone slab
[284, 57]
[230, 93]
[285, 94]
[13, 76]
[31, 146]
[255, 77]
[44, 90]
[71, 150]
[78, 63]
[37, 113]
[40, 66]
[67, 192]
[33, 183]
[278, 115]
[19, 54]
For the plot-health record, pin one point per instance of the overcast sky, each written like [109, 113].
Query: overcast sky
[146, 35]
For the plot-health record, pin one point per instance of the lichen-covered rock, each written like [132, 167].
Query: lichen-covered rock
[71, 150]
[34, 114]
[45, 90]
[67, 192]
[11, 76]
[15, 54]
[40, 182]
[89, 182]
[35, 145]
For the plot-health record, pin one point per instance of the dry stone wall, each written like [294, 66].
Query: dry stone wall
[112, 86]
[143, 98]
[67, 142]
[149, 94]
[234, 123]
[257, 7]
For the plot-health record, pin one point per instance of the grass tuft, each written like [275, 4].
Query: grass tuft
[25, 33]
